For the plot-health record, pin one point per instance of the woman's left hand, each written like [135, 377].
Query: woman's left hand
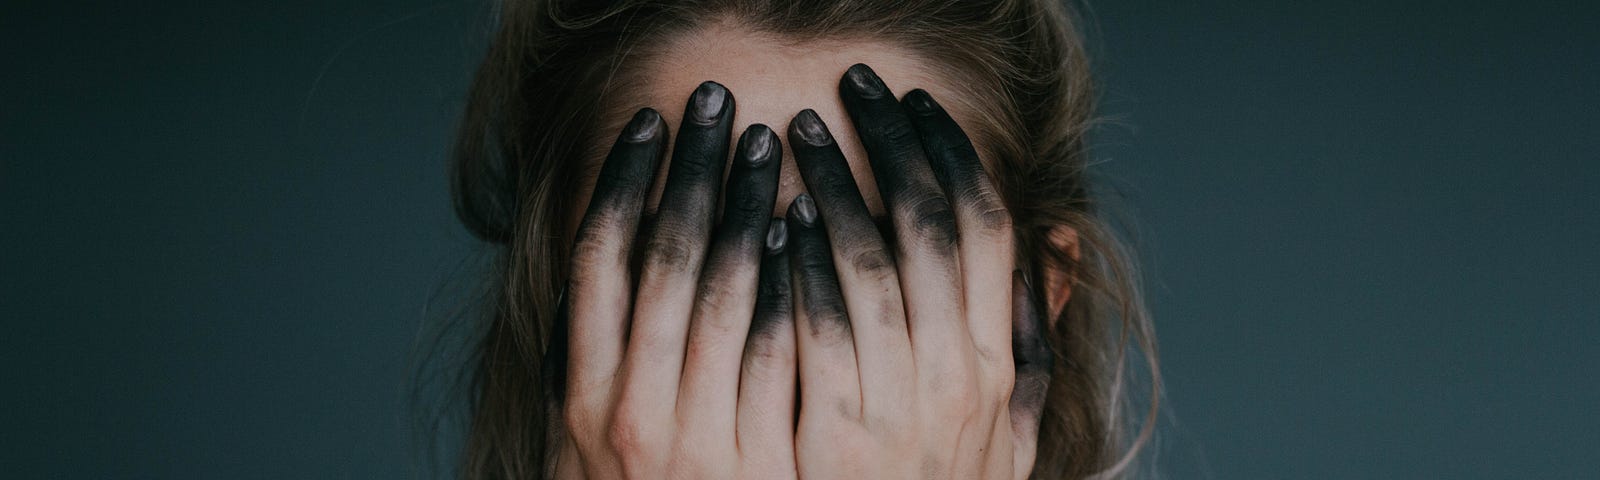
[908, 365]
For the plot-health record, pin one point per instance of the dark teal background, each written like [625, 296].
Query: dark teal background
[1369, 229]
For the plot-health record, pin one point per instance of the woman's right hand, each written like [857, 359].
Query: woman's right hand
[662, 381]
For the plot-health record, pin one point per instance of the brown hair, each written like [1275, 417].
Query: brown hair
[541, 95]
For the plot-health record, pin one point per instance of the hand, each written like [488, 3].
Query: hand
[906, 355]
[661, 380]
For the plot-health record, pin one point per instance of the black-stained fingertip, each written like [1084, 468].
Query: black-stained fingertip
[864, 81]
[646, 124]
[755, 146]
[804, 210]
[777, 236]
[921, 102]
[810, 129]
[707, 102]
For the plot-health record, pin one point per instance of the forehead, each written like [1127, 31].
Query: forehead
[772, 79]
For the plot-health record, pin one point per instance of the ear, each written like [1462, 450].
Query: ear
[1058, 282]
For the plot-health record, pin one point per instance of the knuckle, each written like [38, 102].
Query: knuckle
[577, 421]
[952, 146]
[959, 394]
[993, 217]
[748, 202]
[897, 132]
[711, 296]
[933, 222]
[1005, 381]
[829, 317]
[625, 435]
[763, 357]
[597, 240]
[871, 261]
[670, 252]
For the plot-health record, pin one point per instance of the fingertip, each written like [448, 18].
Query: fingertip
[756, 145]
[803, 210]
[808, 128]
[709, 103]
[645, 126]
[921, 102]
[777, 236]
[861, 80]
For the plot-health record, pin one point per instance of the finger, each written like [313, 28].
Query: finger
[1034, 361]
[600, 282]
[675, 249]
[865, 266]
[767, 379]
[983, 224]
[727, 294]
[924, 226]
[829, 380]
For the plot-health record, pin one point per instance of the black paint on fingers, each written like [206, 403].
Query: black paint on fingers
[827, 175]
[747, 207]
[774, 300]
[752, 185]
[910, 192]
[688, 202]
[811, 265]
[1030, 349]
[629, 169]
[611, 223]
[955, 162]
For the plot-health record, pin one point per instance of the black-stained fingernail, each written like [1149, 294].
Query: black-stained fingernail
[865, 82]
[707, 102]
[921, 102]
[804, 210]
[756, 145]
[777, 236]
[644, 126]
[809, 127]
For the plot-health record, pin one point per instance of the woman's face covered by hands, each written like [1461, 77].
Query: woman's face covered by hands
[867, 332]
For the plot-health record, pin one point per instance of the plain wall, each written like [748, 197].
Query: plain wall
[1369, 232]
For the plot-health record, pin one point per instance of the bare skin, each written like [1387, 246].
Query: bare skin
[901, 338]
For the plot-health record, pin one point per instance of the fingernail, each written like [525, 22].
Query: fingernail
[804, 210]
[811, 129]
[777, 236]
[707, 102]
[756, 144]
[643, 127]
[921, 102]
[865, 81]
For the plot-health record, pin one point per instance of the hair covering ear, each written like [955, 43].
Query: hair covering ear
[483, 191]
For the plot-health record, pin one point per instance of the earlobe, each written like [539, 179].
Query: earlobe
[1058, 281]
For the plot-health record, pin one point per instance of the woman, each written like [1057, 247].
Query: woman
[896, 321]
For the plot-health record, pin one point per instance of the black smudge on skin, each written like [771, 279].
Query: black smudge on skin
[1030, 349]
[905, 180]
[751, 191]
[811, 264]
[827, 176]
[955, 162]
[688, 202]
[774, 301]
[620, 188]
